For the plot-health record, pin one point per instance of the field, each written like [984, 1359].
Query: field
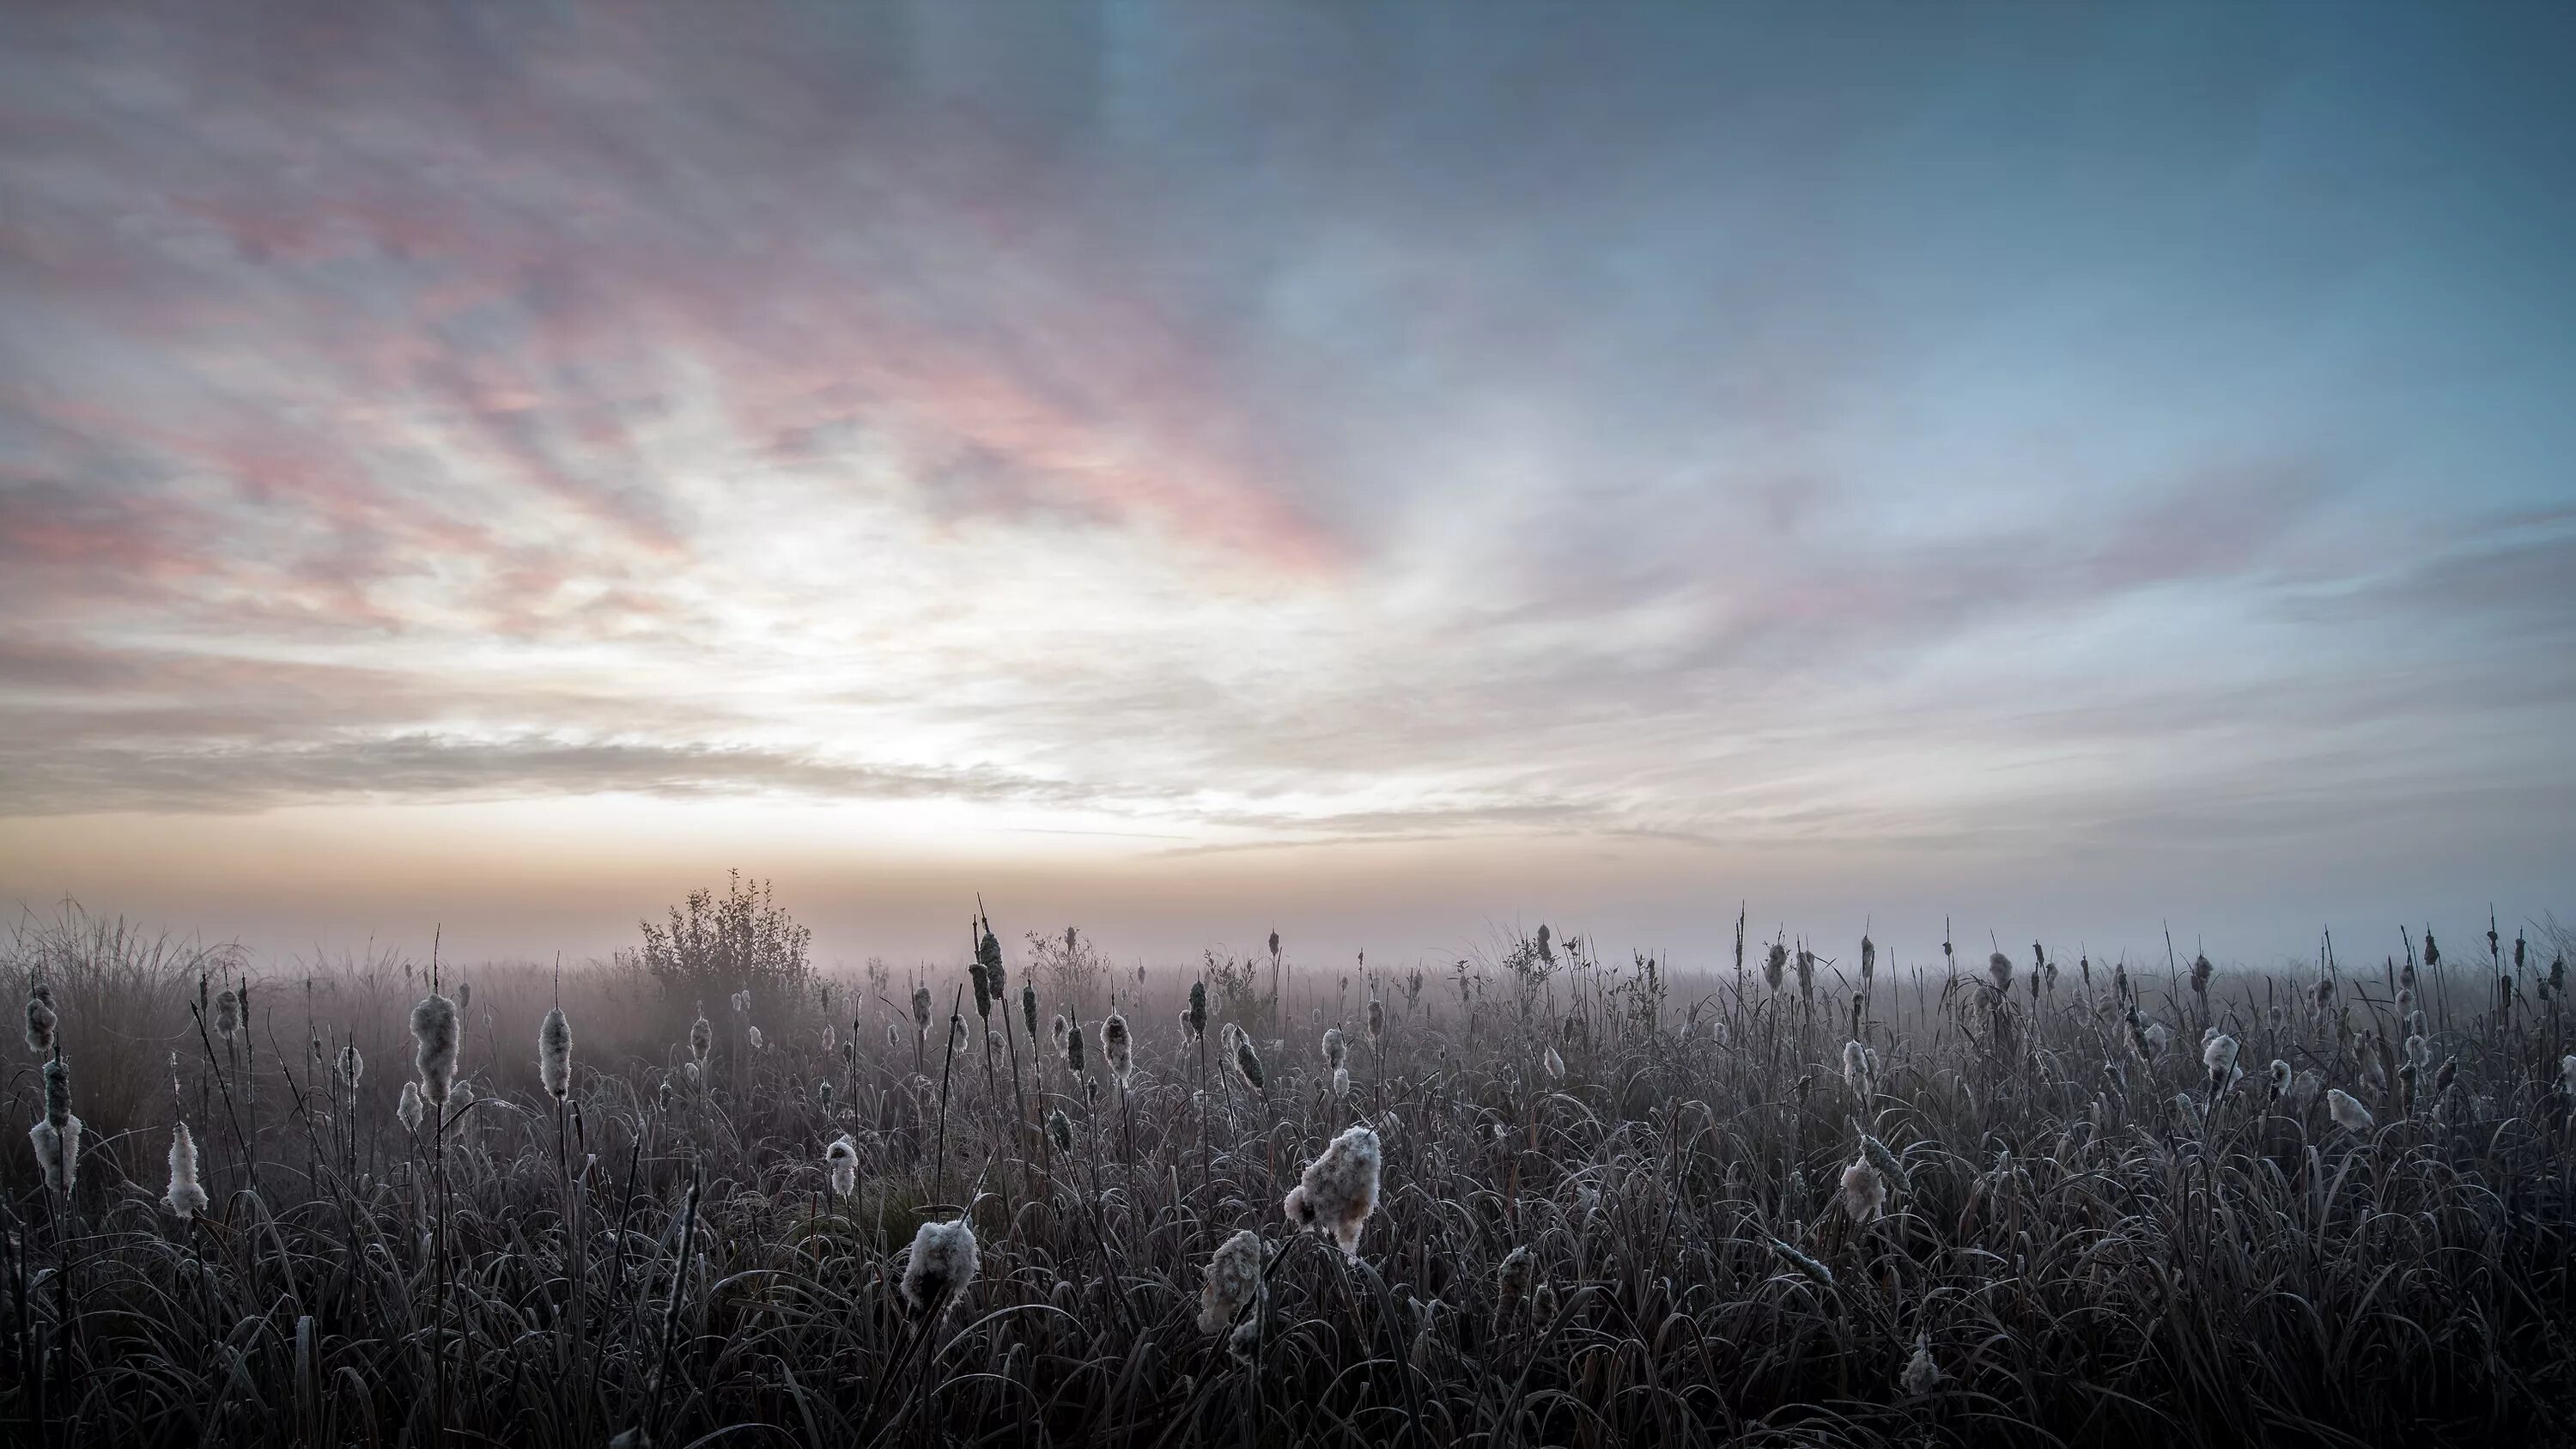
[1993, 1199]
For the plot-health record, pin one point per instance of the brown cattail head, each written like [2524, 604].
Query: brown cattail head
[1376, 1019]
[227, 1014]
[2000, 967]
[921, 1011]
[40, 1021]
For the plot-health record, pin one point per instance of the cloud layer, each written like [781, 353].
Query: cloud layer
[1237, 427]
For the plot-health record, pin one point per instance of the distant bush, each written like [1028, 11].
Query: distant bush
[716, 945]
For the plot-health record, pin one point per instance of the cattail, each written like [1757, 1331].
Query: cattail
[823, 1090]
[458, 1100]
[57, 1136]
[433, 1028]
[1376, 1019]
[2347, 1111]
[1073, 1047]
[2443, 1078]
[1512, 1279]
[1247, 1062]
[1774, 963]
[2432, 953]
[1334, 1047]
[1339, 1190]
[2279, 1074]
[702, 1038]
[1891, 1168]
[943, 1263]
[1806, 972]
[2153, 1041]
[740, 1001]
[40, 1021]
[894, 1037]
[1803, 1263]
[227, 1014]
[2218, 1054]
[1056, 1031]
[1118, 1048]
[751, 1035]
[1029, 1013]
[693, 1072]
[842, 1157]
[1868, 960]
[956, 1032]
[1194, 1020]
[2000, 967]
[2201, 971]
[186, 1197]
[554, 1054]
[831, 1039]
[1864, 1192]
[662, 1098]
[352, 1068]
[1341, 1081]
[1232, 1284]
[1921, 1375]
[1060, 1127]
[921, 1011]
[2567, 1075]
[408, 1109]
[983, 985]
[1857, 1069]
[1555, 1065]
[988, 953]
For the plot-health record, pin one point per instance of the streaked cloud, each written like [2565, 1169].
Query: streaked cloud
[1243, 428]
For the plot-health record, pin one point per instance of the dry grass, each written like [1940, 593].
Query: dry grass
[2086, 1258]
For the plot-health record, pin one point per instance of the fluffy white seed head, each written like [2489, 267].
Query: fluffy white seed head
[2567, 1074]
[1339, 1190]
[921, 1011]
[1247, 1062]
[1555, 1065]
[40, 1025]
[752, 1035]
[1864, 1191]
[2347, 1111]
[554, 1054]
[1118, 1047]
[1335, 1048]
[2279, 1073]
[58, 1152]
[942, 1265]
[702, 1039]
[842, 1157]
[1341, 1081]
[186, 1197]
[407, 1110]
[1922, 1375]
[2000, 967]
[352, 1067]
[1233, 1283]
[433, 1031]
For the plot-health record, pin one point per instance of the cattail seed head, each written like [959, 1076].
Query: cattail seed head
[1060, 1129]
[752, 1037]
[1376, 1019]
[352, 1068]
[1334, 1047]
[1073, 1046]
[40, 1021]
[58, 1090]
[1921, 1375]
[983, 985]
[1774, 963]
[2218, 1054]
[662, 1096]
[1247, 1062]
[1512, 1279]
[186, 1197]
[58, 1151]
[842, 1157]
[407, 1110]
[921, 1011]
[2000, 967]
[2279, 1072]
[227, 1014]
[1233, 1283]
[988, 953]
[1891, 1168]
[1339, 1189]
[2567, 1075]
[702, 1038]
[942, 1265]
[554, 1054]
[1341, 1081]
[1864, 1192]
[1194, 1020]
[1118, 1048]
[433, 1030]
[2347, 1110]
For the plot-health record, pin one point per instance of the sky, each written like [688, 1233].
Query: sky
[1398, 474]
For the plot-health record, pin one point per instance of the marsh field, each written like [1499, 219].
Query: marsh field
[1785, 1192]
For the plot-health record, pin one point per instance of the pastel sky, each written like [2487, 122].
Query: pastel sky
[1393, 472]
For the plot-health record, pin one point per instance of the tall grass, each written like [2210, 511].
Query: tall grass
[1617, 1204]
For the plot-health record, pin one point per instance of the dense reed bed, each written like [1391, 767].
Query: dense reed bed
[1542, 1199]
